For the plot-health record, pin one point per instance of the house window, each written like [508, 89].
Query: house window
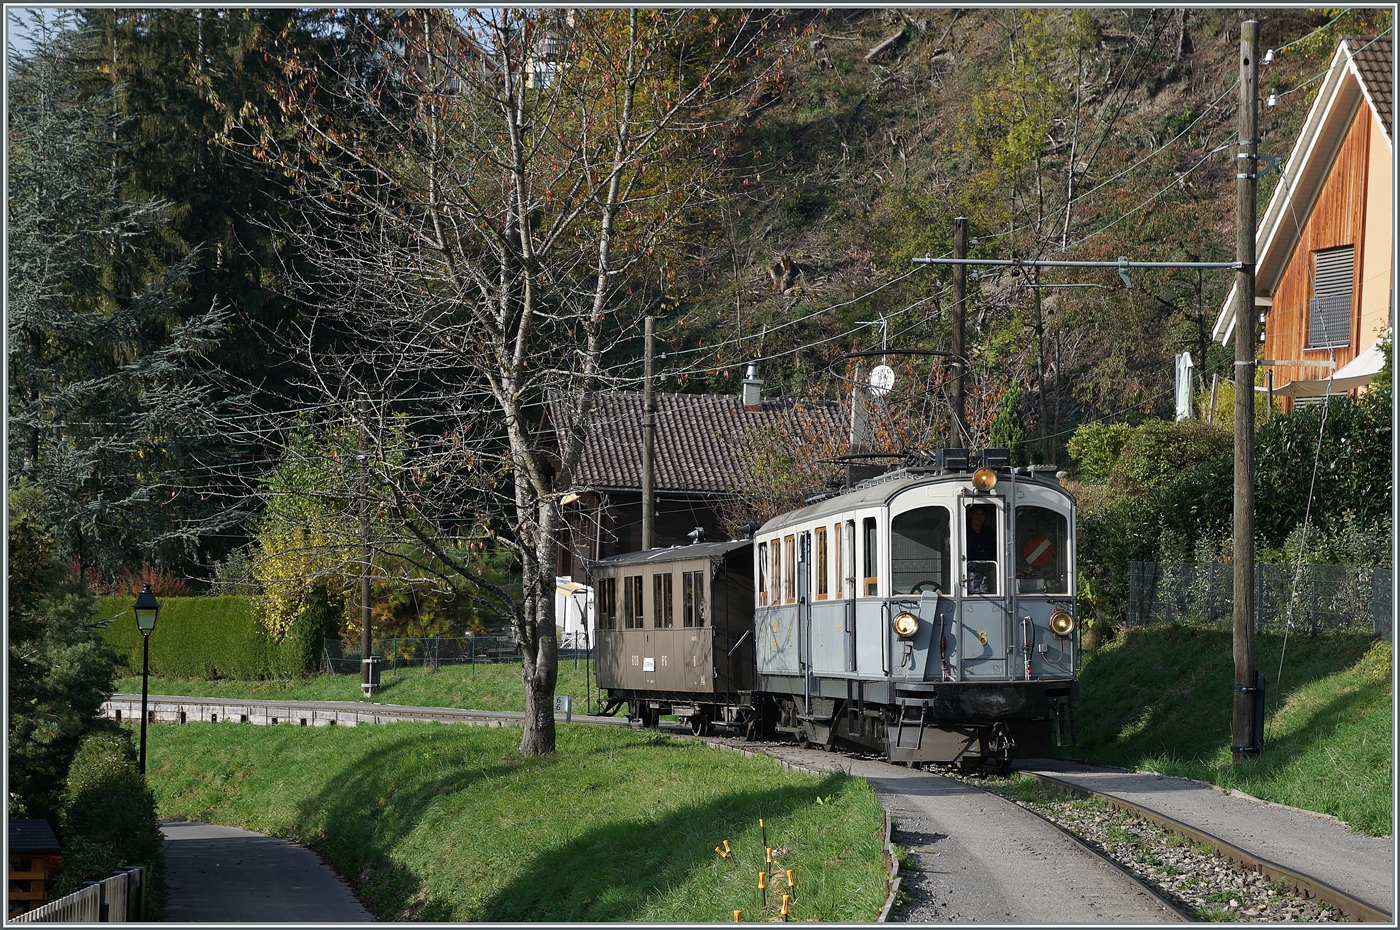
[789, 569]
[632, 602]
[607, 603]
[823, 585]
[1329, 317]
[762, 574]
[661, 600]
[693, 584]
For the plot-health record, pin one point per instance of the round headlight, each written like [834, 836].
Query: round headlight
[1061, 623]
[984, 479]
[905, 625]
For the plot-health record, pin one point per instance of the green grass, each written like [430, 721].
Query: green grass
[1159, 700]
[478, 687]
[450, 823]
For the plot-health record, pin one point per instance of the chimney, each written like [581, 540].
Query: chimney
[753, 398]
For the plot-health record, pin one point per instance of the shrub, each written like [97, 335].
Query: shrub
[1160, 450]
[1095, 447]
[195, 637]
[109, 816]
[299, 653]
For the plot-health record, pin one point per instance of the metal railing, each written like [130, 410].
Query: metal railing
[341, 658]
[117, 899]
[1309, 598]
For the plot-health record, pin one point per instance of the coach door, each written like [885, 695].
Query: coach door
[984, 616]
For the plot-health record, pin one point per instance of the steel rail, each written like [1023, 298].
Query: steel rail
[1136, 879]
[1305, 885]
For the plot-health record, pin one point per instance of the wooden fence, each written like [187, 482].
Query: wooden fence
[117, 899]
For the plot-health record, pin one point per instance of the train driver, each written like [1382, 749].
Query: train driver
[980, 549]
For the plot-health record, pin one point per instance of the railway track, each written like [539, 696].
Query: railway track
[948, 880]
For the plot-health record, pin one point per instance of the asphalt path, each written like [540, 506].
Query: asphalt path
[982, 859]
[226, 875]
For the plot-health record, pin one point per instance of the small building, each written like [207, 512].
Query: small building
[697, 466]
[1324, 248]
[33, 853]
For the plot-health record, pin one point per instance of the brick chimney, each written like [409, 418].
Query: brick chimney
[753, 397]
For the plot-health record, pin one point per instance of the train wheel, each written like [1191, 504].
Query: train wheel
[650, 717]
[700, 724]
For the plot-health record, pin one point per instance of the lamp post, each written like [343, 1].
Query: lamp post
[146, 610]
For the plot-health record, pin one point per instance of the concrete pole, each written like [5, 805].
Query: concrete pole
[1243, 739]
[648, 443]
[959, 333]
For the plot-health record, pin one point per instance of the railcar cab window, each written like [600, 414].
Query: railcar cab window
[919, 551]
[762, 574]
[607, 603]
[872, 572]
[661, 599]
[1042, 551]
[632, 602]
[823, 585]
[980, 548]
[693, 612]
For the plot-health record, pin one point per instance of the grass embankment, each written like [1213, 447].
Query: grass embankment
[1160, 700]
[451, 824]
[478, 687]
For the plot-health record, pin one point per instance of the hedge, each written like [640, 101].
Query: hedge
[195, 637]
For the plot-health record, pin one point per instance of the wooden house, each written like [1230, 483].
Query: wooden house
[697, 466]
[1325, 252]
[33, 854]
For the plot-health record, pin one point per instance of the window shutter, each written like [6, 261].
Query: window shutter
[1329, 322]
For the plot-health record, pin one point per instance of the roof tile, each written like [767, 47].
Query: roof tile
[1373, 60]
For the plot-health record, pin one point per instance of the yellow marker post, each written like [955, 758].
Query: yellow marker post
[726, 847]
[787, 906]
[738, 917]
[792, 885]
[763, 886]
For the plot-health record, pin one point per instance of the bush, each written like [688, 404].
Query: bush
[195, 637]
[1159, 451]
[299, 653]
[1096, 446]
[109, 816]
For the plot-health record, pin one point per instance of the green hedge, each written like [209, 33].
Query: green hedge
[195, 637]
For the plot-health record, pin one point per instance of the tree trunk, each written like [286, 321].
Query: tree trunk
[539, 645]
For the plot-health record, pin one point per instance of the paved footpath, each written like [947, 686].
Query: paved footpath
[227, 875]
[1312, 844]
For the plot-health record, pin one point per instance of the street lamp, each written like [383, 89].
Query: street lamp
[146, 610]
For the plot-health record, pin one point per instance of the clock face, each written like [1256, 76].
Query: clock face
[881, 379]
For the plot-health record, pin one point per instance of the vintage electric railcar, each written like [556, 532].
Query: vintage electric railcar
[928, 614]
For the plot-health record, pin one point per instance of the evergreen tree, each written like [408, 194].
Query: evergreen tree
[110, 413]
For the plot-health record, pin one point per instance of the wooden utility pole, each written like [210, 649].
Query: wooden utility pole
[648, 443]
[367, 683]
[1244, 741]
[959, 332]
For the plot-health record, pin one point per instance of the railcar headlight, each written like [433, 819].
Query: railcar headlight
[984, 479]
[905, 625]
[1062, 623]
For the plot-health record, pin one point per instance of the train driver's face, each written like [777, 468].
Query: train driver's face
[976, 516]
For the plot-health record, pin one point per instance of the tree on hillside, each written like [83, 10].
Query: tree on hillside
[483, 203]
[109, 411]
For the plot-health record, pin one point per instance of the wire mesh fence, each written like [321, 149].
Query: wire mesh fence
[434, 652]
[1310, 598]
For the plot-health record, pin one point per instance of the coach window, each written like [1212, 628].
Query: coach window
[823, 584]
[980, 548]
[789, 569]
[919, 551]
[693, 585]
[661, 600]
[838, 586]
[762, 574]
[872, 572]
[1042, 551]
[607, 602]
[632, 602]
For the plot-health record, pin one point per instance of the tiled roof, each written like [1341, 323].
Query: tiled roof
[1373, 60]
[31, 836]
[696, 438]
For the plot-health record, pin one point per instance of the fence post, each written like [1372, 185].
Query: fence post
[1258, 596]
[1134, 579]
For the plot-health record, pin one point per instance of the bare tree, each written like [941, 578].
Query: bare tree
[484, 201]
